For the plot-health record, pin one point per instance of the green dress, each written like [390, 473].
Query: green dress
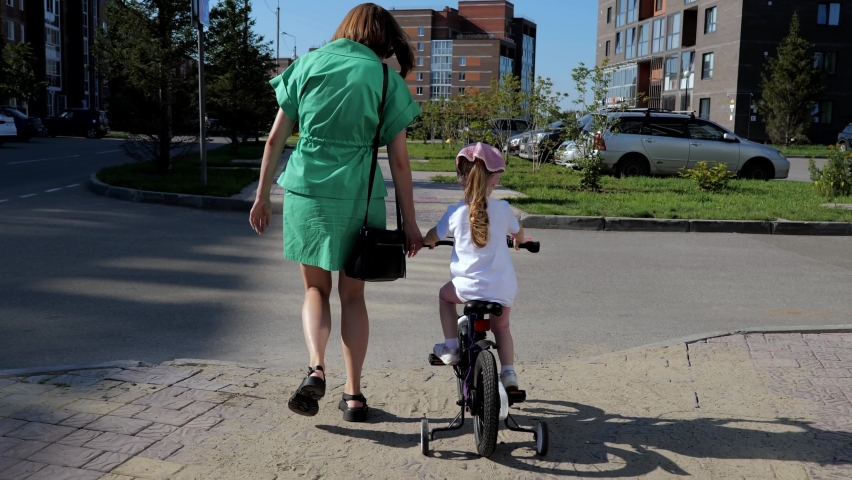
[334, 94]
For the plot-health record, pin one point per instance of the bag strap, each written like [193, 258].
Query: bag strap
[376, 142]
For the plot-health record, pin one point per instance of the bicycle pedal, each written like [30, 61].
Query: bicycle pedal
[435, 361]
[516, 396]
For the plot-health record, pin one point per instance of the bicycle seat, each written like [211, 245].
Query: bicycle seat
[479, 307]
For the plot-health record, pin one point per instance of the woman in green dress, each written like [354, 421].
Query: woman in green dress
[334, 94]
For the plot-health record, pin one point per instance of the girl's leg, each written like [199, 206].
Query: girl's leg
[449, 314]
[500, 328]
[316, 314]
[354, 332]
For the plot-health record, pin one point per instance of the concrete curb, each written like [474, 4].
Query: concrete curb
[756, 227]
[175, 199]
[66, 368]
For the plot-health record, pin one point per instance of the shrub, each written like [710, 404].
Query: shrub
[591, 170]
[835, 178]
[709, 179]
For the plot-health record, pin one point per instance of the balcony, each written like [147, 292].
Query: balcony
[483, 36]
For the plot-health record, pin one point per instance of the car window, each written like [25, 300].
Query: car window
[631, 126]
[705, 131]
[665, 127]
[848, 129]
[520, 125]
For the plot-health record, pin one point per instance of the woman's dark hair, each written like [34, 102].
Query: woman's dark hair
[373, 26]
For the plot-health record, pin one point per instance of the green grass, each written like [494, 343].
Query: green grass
[445, 179]
[185, 175]
[555, 191]
[440, 157]
[118, 134]
[804, 150]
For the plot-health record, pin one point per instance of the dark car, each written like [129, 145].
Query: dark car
[844, 139]
[28, 127]
[79, 122]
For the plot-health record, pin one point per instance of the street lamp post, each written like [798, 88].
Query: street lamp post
[294, 44]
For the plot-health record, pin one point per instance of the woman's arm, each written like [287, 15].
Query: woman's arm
[400, 166]
[261, 212]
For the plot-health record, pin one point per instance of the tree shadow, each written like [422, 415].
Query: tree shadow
[586, 441]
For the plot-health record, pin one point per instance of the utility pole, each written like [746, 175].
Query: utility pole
[201, 17]
[278, 39]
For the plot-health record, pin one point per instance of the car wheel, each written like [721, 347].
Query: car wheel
[758, 169]
[634, 166]
[92, 133]
[842, 147]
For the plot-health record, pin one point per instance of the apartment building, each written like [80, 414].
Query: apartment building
[706, 56]
[62, 35]
[465, 48]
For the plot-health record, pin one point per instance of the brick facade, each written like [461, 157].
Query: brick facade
[743, 34]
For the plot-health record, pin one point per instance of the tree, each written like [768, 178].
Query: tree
[492, 108]
[18, 79]
[790, 86]
[148, 56]
[240, 62]
[541, 107]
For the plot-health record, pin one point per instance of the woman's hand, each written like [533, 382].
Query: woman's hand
[261, 215]
[413, 238]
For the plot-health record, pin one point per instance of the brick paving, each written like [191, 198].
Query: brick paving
[753, 406]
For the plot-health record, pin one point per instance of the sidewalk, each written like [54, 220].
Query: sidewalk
[753, 406]
[430, 199]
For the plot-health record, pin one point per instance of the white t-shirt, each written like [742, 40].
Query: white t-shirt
[482, 273]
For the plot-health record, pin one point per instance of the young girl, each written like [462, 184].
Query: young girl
[481, 267]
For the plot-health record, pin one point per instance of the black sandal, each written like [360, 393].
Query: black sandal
[304, 401]
[358, 414]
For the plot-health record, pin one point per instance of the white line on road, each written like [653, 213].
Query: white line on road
[28, 195]
[4, 200]
[42, 160]
[74, 185]
[108, 151]
[52, 190]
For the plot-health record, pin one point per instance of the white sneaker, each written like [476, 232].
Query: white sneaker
[450, 356]
[509, 380]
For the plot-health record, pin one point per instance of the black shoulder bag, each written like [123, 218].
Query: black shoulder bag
[378, 255]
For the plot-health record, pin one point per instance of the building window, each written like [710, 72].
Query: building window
[673, 40]
[658, 39]
[707, 66]
[22, 33]
[462, 76]
[421, 32]
[461, 90]
[419, 61]
[442, 69]
[822, 112]
[419, 76]
[420, 46]
[621, 13]
[690, 1]
[687, 69]
[704, 108]
[10, 3]
[609, 15]
[828, 14]
[619, 43]
[644, 34]
[659, 5]
[630, 43]
[670, 73]
[22, 4]
[710, 20]
[607, 48]
[419, 90]
[10, 30]
[632, 11]
[463, 61]
[826, 61]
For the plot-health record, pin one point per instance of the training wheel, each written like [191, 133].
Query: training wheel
[542, 440]
[424, 437]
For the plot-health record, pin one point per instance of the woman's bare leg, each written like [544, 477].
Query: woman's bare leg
[354, 332]
[316, 314]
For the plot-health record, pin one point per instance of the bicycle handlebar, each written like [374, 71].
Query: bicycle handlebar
[532, 247]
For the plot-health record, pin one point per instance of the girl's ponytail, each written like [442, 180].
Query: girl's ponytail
[476, 196]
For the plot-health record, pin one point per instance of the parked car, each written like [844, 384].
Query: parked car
[513, 143]
[653, 143]
[8, 131]
[28, 127]
[568, 154]
[78, 122]
[501, 127]
[844, 139]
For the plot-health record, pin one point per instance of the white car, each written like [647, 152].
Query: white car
[8, 130]
[567, 154]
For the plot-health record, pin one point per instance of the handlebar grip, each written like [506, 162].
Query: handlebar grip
[532, 247]
[445, 243]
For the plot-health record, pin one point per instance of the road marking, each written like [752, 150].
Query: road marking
[4, 200]
[52, 190]
[108, 151]
[28, 195]
[74, 185]
[42, 160]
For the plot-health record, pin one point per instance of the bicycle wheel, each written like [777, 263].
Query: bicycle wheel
[486, 403]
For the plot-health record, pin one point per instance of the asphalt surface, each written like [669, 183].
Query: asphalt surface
[799, 168]
[86, 279]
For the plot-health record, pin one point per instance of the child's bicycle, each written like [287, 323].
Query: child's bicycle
[479, 389]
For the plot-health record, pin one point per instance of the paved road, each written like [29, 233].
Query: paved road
[44, 166]
[86, 278]
[799, 169]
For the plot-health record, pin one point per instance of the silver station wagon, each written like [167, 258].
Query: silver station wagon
[651, 143]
